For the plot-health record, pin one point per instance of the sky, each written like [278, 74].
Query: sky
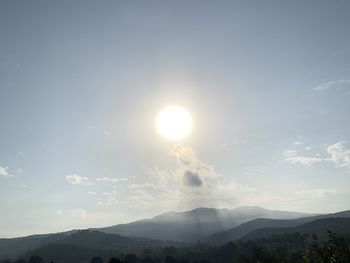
[267, 84]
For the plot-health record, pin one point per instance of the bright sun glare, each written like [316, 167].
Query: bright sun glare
[174, 123]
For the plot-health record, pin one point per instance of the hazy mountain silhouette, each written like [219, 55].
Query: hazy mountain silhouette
[81, 239]
[319, 227]
[245, 228]
[12, 247]
[100, 240]
[193, 225]
[188, 226]
[67, 253]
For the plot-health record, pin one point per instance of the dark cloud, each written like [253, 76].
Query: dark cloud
[192, 179]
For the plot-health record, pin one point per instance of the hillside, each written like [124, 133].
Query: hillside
[188, 226]
[245, 228]
[196, 224]
[13, 247]
[319, 227]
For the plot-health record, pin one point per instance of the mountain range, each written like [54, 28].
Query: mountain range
[191, 226]
[178, 229]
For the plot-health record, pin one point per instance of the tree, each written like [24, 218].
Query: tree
[169, 251]
[130, 258]
[114, 260]
[170, 259]
[35, 259]
[96, 260]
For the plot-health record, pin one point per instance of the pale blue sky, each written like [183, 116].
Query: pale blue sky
[267, 83]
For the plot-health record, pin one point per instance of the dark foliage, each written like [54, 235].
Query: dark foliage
[35, 259]
[286, 248]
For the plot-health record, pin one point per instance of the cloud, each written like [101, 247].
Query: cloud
[192, 179]
[109, 198]
[59, 212]
[192, 183]
[309, 161]
[339, 84]
[76, 179]
[189, 166]
[298, 143]
[340, 154]
[105, 179]
[290, 153]
[3, 171]
[79, 213]
[316, 193]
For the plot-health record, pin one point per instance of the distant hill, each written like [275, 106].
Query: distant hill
[245, 228]
[13, 247]
[319, 227]
[188, 226]
[67, 253]
[82, 238]
[100, 240]
[193, 225]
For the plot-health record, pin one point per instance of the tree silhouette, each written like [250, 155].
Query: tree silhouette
[96, 260]
[114, 260]
[35, 259]
[130, 258]
[169, 259]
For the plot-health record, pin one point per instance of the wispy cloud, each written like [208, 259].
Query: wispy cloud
[298, 143]
[59, 212]
[191, 184]
[305, 160]
[76, 179]
[79, 213]
[105, 179]
[316, 193]
[335, 84]
[4, 171]
[340, 154]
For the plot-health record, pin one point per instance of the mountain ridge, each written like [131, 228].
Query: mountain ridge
[260, 223]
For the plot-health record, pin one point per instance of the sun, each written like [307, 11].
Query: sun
[174, 123]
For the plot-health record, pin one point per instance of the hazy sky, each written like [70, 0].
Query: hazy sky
[267, 83]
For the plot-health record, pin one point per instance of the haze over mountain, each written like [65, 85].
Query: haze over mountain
[319, 227]
[85, 239]
[193, 225]
[176, 229]
[266, 223]
[187, 226]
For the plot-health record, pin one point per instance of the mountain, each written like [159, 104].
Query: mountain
[80, 239]
[193, 225]
[67, 253]
[319, 227]
[243, 229]
[82, 245]
[188, 226]
[100, 240]
[13, 247]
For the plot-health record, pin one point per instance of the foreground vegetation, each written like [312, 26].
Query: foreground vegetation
[285, 248]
